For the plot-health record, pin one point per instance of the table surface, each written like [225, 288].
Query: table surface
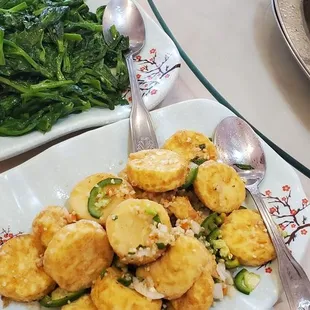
[238, 47]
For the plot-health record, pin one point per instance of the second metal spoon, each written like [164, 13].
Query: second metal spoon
[237, 143]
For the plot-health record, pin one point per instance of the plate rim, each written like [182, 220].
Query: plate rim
[281, 25]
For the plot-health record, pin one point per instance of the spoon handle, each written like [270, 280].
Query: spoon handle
[142, 131]
[294, 280]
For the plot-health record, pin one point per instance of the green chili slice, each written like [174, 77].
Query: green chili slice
[190, 178]
[125, 280]
[156, 219]
[59, 298]
[161, 245]
[214, 235]
[246, 281]
[232, 263]
[150, 211]
[95, 204]
[209, 223]
[198, 161]
[244, 166]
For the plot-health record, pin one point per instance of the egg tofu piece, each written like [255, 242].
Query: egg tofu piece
[78, 201]
[219, 187]
[199, 296]
[107, 294]
[176, 271]
[181, 207]
[191, 145]
[48, 222]
[131, 225]
[77, 254]
[247, 238]
[21, 276]
[83, 303]
[156, 170]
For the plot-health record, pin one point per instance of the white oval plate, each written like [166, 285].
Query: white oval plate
[157, 69]
[48, 178]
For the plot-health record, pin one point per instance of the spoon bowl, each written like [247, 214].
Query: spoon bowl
[128, 21]
[239, 147]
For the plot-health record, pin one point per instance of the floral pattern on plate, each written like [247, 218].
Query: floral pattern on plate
[151, 70]
[287, 214]
[6, 235]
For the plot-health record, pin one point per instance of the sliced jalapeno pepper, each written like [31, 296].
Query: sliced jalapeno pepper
[198, 161]
[60, 297]
[95, 204]
[246, 281]
[232, 263]
[215, 234]
[161, 245]
[218, 221]
[156, 219]
[190, 177]
[209, 223]
[244, 166]
[126, 280]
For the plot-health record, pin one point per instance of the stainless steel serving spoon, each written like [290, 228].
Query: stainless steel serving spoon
[127, 19]
[237, 143]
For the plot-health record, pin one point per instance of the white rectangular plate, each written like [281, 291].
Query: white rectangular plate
[48, 178]
[157, 69]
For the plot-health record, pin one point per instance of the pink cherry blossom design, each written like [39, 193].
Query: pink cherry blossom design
[305, 201]
[282, 226]
[304, 231]
[286, 188]
[293, 212]
[153, 91]
[138, 76]
[293, 225]
[268, 192]
[272, 210]
[167, 76]
[153, 51]
[138, 58]
[268, 270]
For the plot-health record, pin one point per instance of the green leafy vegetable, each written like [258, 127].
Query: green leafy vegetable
[54, 62]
